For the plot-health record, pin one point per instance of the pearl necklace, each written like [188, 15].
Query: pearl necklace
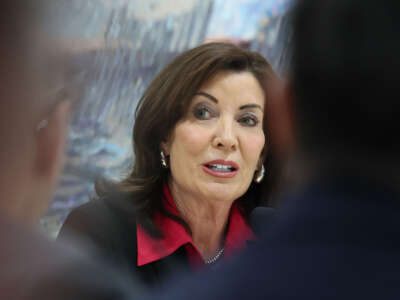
[215, 257]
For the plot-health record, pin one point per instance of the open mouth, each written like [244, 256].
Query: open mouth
[221, 168]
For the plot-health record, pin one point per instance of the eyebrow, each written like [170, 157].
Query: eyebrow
[212, 98]
[251, 106]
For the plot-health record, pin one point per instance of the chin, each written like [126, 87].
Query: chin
[222, 192]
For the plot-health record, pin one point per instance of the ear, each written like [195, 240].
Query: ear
[165, 147]
[280, 119]
[51, 142]
[262, 158]
[48, 161]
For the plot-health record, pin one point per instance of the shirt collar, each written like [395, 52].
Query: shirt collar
[151, 249]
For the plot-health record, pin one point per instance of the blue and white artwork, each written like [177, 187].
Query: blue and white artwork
[240, 19]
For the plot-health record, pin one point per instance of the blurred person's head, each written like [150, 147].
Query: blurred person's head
[33, 115]
[205, 109]
[340, 105]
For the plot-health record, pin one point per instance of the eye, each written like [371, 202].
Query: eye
[248, 120]
[202, 112]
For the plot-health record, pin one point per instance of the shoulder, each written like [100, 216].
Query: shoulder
[106, 209]
[103, 205]
[104, 221]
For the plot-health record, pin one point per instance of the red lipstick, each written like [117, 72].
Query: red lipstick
[221, 168]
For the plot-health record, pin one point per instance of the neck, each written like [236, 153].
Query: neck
[207, 220]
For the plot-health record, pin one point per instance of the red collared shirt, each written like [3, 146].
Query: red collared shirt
[176, 236]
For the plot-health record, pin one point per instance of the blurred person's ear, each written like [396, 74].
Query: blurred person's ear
[280, 119]
[49, 158]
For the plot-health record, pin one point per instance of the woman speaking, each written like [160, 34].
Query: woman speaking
[200, 150]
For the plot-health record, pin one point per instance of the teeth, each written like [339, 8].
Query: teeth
[221, 168]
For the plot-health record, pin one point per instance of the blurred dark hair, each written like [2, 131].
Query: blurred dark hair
[163, 104]
[18, 18]
[345, 75]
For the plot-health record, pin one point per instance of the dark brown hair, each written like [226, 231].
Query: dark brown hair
[164, 103]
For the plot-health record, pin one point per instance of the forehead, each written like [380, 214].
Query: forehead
[235, 87]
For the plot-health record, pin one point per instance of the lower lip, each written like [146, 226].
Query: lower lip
[220, 174]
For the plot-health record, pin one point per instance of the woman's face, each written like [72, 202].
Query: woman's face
[215, 149]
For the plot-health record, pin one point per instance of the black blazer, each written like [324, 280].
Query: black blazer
[110, 225]
[337, 239]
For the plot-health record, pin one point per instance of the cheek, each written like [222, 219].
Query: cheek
[189, 142]
[253, 144]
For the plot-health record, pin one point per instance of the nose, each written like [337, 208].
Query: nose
[225, 137]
